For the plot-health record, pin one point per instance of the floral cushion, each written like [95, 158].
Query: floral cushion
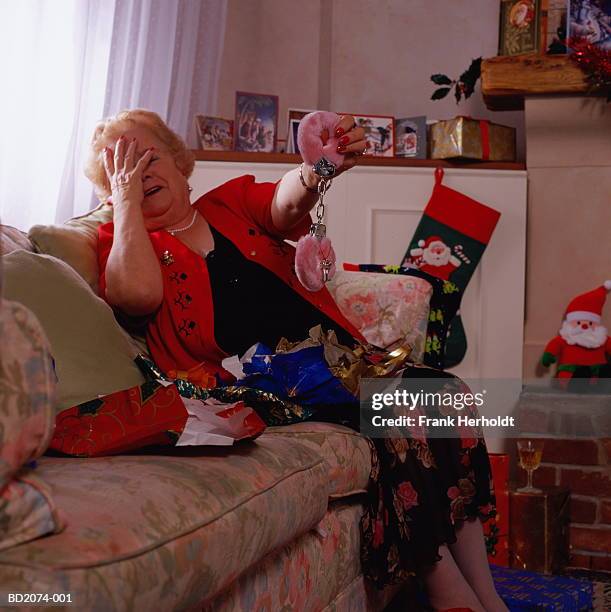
[163, 531]
[27, 388]
[443, 306]
[346, 452]
[389, 311]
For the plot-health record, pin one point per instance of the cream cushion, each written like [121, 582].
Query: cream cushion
[75, 242]
[12, 239]
[93, 355]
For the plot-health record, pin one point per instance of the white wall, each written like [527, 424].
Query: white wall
[361, 56]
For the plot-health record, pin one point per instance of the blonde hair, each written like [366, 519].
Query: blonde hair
[112, 127]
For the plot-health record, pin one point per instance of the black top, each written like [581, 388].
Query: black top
[251, 304]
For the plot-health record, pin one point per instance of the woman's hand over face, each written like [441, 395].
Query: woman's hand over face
[352, 143]
[124, 173]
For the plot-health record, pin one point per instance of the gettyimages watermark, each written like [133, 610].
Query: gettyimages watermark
[491, 408]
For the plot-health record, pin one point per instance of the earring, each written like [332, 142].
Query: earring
[189, 188]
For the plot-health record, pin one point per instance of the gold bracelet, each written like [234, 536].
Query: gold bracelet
[310, 189]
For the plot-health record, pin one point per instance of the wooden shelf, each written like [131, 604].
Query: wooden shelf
[285, 158]
[506, 80]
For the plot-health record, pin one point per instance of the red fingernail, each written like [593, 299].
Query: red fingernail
[341, 149]
[339, 132]
[344, 140]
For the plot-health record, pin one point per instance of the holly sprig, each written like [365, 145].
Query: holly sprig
[463, 86]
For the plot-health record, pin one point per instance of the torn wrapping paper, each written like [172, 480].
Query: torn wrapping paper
[300, 375]
[318, 370]
[272, 409]
[211, 422]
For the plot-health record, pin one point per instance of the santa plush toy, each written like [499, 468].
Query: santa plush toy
[434, 257]
[583, 345]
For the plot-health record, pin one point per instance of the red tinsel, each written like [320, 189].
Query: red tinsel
[595, 63]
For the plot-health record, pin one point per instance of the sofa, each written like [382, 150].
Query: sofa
[267, 524]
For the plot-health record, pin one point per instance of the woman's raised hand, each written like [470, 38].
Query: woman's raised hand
[124, 173]
[351, 144]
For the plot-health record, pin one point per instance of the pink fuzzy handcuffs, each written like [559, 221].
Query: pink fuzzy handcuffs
[315, 257]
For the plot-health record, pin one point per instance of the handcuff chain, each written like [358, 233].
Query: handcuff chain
[323, 187]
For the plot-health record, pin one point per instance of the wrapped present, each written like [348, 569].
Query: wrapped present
[522, 590]
[467, 138]
[496, 529]
[153, 414]
[539, 534]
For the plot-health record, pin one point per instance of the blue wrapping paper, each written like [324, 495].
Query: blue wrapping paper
[301, 376]
[528, 591]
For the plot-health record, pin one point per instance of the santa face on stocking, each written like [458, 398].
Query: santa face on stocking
[437, 254]
[435, 257]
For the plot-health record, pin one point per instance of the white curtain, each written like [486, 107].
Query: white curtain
[91, 54]
[65, 64]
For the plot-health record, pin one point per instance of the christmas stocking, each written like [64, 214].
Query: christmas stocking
[448, 243]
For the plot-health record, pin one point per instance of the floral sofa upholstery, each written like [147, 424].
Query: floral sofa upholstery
[268, 524]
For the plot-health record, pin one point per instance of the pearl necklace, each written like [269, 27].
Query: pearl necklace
[186, 227]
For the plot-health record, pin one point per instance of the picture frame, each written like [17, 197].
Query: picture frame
[293, 147]
[294, 114]
[554, 20]
[411, 137]
[520, 27]
[214, 133]
[590, 19]
[256, 122]
[379, 134]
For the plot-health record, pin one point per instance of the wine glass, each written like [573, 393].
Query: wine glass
[530, 452]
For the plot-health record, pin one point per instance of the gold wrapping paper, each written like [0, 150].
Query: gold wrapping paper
[462, 138]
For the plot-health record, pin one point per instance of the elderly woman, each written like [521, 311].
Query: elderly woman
[211, 278]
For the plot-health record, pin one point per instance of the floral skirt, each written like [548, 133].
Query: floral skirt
[419, 492]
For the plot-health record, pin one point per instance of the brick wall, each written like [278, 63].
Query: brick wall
[584, 467]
